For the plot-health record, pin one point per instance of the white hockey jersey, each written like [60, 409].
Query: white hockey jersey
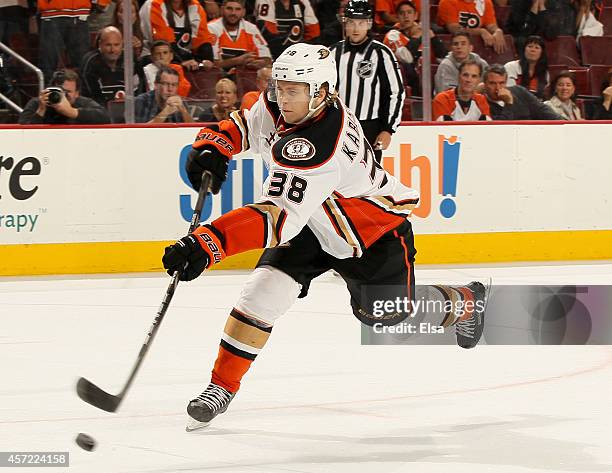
[322, 174]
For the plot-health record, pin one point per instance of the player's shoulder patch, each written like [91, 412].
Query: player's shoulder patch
[311, 146]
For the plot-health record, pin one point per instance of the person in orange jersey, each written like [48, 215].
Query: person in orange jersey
[476, 16]
[63, 29]
[463, 103]
[184, 25]
[238, 43]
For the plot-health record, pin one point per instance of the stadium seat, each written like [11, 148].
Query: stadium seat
[563, 50]
[596, 49]
[606, 18]
[203, 83]
[489, 54]
[597, 75]
[581, 74]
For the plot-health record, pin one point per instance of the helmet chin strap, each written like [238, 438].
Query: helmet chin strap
[311, 111]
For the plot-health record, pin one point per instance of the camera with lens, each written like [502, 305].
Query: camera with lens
[55, 95]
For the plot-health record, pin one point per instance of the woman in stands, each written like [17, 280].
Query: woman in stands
[562, 102]
[226, 99]
[531, 69]
[137, 37]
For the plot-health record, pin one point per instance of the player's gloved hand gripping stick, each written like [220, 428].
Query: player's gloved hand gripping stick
[99, 398]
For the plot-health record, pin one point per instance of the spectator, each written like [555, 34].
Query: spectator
[162, 55]
[102, 69]
[137, 36]
[532, 58]
[603, 105]
[238, 42]
[263, 80]
[71, 107]
[562, 101]
[184, 25]
[513, 103]
[462, 103]
[476, 16]
[586, 23]
[225, 102]
[162, 105]
[286, 22]
[63, 29]
[386, 13]
[447, 75]
[405, 41]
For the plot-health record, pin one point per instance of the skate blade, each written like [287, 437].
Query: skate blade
[195, 425]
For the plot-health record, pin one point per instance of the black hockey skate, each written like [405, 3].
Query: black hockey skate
[470, 330]
[204, 408]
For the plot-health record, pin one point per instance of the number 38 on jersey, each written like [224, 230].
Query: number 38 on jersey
[283, 183]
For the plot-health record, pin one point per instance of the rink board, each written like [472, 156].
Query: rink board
[101, 200]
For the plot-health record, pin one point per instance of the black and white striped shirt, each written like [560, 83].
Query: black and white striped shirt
[369, 82]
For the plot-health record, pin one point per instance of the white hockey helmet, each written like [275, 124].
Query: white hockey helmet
[311, 64]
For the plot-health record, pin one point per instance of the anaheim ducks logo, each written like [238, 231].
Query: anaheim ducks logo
[298, 149]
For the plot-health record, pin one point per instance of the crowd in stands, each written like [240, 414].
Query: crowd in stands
[198, 60]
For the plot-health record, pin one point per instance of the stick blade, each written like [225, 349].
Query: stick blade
[92, 394]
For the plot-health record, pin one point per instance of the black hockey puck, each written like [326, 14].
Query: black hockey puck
[86, 442]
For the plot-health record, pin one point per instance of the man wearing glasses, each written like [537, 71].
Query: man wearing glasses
[62, 104]
[162, 104]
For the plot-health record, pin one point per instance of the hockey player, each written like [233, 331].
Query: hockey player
[326, 205]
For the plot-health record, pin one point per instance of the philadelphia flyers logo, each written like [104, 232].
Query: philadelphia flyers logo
[469, 20]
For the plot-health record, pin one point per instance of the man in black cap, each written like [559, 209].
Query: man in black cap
[369, 81]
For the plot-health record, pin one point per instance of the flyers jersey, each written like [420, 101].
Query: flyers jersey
[321, 174]
[186, 36]
[283, 27]
[466, 13]
[248, 39]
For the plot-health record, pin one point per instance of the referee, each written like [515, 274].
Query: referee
[369, 80]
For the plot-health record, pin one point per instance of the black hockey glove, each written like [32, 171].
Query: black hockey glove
[187, 257]
[208, 158]
[194, 253]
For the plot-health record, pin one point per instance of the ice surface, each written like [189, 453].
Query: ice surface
[315, 399]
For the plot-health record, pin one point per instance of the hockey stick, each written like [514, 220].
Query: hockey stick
[99, 398]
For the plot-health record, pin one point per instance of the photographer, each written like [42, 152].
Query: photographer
[61, 103]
